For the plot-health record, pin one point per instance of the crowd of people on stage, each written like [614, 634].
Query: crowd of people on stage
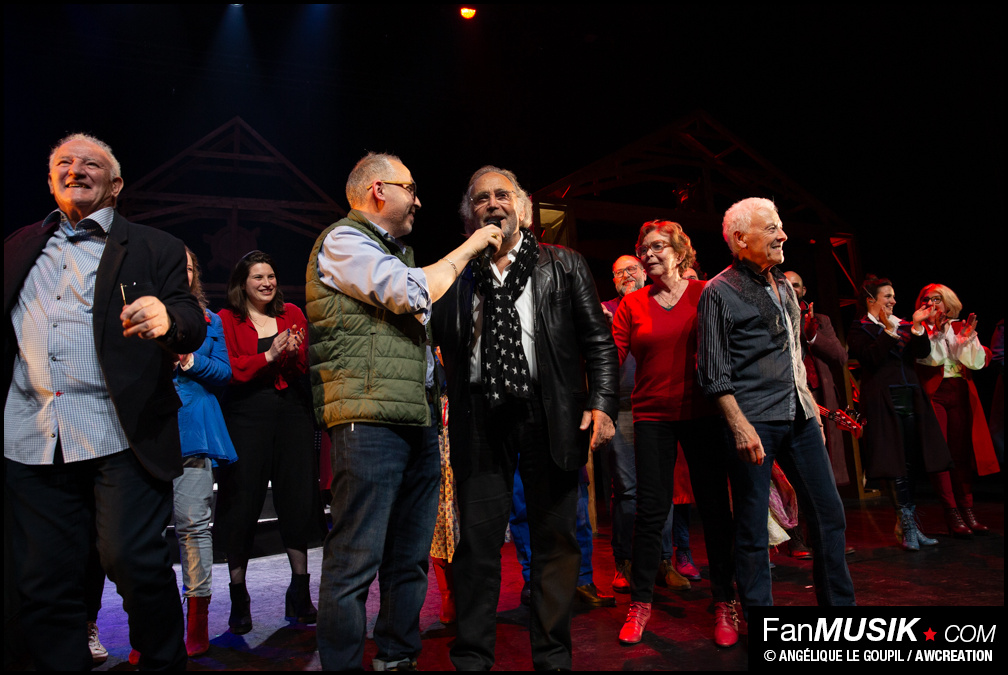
[461, 401]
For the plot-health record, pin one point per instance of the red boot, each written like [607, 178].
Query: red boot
[197, 636]
[445, 584]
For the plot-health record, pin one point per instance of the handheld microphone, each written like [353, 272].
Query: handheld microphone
[488, 251]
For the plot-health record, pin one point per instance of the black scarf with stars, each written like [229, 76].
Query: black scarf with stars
[505, 370]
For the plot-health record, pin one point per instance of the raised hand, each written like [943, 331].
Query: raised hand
[810, 324]
[924, 313]
[279, 346]
[488, 236]
[296, 338]
[969, 330]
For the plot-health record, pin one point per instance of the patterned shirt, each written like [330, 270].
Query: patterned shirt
[526, 317]
[58, 389]
[748, 345]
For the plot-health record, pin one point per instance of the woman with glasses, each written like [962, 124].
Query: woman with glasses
[901, 434]
[946, 375]
[657, 326]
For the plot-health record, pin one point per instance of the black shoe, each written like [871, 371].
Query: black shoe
[299, 605]
[526, 594]
[240, 620]
[589, 595]
[796, 545]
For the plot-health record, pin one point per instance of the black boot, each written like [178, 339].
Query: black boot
[240, 620]
[299, 605]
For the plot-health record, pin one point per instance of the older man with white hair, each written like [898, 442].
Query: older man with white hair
[749, 361]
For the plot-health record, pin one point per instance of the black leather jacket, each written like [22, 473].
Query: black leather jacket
[572, 340]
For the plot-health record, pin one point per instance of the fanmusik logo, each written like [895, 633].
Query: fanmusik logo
[879, 629]
[841, 630]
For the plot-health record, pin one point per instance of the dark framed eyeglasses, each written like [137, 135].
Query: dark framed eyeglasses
[626, 271]
[656, 246]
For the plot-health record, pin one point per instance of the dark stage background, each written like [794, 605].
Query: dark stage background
[892, 116]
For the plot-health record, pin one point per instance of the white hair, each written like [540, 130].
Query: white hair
[738, 218]
[114, 169]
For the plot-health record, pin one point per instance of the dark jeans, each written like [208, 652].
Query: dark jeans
[704, 444]
[384, 505]
[799, 450]
[498, 438]
[57, 509]
[624, 486]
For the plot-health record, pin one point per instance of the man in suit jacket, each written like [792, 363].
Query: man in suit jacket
[97, 307]
[519, 331]
[822, 352]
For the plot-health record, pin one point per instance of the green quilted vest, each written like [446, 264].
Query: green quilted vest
[368, 364]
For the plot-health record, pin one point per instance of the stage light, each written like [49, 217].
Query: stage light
[467, 12]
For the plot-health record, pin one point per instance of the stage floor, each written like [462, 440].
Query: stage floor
[679, 636]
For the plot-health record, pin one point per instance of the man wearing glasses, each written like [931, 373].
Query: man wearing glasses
[628, 276]
[519, 332]
[373, 388]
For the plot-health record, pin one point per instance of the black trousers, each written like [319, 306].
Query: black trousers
[514, 433]
[705, 444]
[273, 436]
[57, 509]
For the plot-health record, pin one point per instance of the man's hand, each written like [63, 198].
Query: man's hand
[607, 314]
[810, 324]
[147, 318]
[603, 428]
[747, 442]
[487, 236]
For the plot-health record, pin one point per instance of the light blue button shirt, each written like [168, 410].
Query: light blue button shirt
[355, 265]
[58, 389]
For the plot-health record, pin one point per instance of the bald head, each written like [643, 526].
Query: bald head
[796, 284]
[628, 274]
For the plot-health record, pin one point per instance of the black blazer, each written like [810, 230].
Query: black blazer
[572, 339]
[138, 372]
[885, 362]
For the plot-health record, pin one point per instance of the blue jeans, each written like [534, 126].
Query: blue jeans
[624, 486]
[798, 449]
[193, 494]
[384, 505]
[522, 540]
